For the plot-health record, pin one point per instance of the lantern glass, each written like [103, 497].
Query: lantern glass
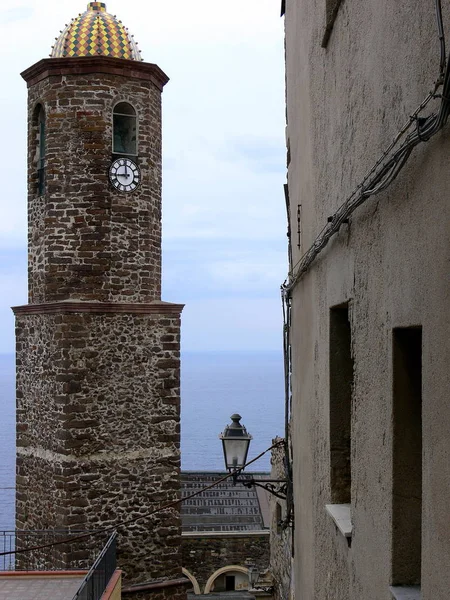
[236, 442]
[235, 452]
[253, 575]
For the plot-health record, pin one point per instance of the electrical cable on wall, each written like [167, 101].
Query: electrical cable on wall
[288, 450]
[440, 27]
[387, 168]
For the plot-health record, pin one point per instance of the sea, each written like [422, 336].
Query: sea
[214, 385]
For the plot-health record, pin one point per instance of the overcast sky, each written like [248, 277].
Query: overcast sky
[224, 225]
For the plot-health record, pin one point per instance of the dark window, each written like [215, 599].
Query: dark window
[407, 456]
[124, 129]
[40, 154]
[341, 385]
[229, 583]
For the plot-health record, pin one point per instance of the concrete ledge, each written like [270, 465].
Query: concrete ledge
[406, 592]
[341, 515]
[114, 586]
[225, 534]
[159, 584]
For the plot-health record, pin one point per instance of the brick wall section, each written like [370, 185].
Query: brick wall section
[98, 375]
[98, 424]
[87, 241]
[202, 556]
[280, 539]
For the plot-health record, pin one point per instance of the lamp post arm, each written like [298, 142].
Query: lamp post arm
[276, 487]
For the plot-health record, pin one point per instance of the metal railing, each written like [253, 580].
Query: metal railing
[96, 581]
[34, 550]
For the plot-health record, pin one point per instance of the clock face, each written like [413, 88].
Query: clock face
[124, 175]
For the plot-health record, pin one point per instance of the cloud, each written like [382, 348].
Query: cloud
[218, 269]
[259, 154]
[17, 13]
[246, 324]
[204, 23]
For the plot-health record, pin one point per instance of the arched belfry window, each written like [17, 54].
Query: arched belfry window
[40, 148]
[124, 129]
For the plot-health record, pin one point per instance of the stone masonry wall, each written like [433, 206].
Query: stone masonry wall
[98, 411]
[86, 240]
[98, 353]
[204, 555]
[280, 537]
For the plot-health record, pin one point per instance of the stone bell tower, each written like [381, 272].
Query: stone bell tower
[98, 352]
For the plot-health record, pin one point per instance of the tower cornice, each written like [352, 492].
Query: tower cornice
[95, 64]
[157, 308]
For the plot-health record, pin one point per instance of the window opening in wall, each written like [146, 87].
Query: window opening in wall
[288, 214]
[341, 386]
[407, 456]
[299, 225]
[40, 158]
[229, 583]
[279, 519]
[124, 129]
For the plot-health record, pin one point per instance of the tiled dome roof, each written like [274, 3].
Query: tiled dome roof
[95, 33]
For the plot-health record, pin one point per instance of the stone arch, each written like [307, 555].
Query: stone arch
[221, 571]
[193, 580]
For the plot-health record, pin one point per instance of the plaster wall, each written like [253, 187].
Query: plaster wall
[345, 103]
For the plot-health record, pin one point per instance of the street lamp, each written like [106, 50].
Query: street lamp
[235, 443]
[254, 575]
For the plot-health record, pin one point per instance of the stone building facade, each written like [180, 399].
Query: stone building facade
[98, 352]
[281, 525]
[225, 530]
[209, 557]
[370, 303]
